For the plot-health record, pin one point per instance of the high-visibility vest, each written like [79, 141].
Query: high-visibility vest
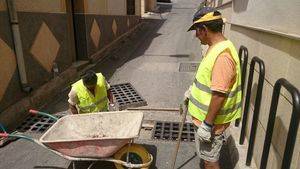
[88, 102]
[201, 93]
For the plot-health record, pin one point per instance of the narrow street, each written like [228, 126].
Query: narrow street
[145, 53]
[153, 65]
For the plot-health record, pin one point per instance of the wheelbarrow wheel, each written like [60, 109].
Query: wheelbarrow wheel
[137, 155]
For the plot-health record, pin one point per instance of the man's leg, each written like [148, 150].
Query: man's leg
[211, 165]
[210, 152]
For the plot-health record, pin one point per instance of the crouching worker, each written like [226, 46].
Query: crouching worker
[90, 94]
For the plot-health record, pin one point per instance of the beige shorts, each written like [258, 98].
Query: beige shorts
[210, 151]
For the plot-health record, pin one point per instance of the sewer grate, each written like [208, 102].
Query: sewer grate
[36, 123]
[126, 96]
[170, 130]
[188, 67]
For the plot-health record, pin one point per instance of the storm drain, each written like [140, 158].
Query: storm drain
[126, 96]
[37, 123]
[188, 67]
[170, 131]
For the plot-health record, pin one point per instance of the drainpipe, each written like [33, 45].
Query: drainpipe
[18, 45]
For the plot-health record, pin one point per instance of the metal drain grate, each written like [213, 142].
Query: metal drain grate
[37, 123]
[188, 67]
[126, 96]
[170, 131]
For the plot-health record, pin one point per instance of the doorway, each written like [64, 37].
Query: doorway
[130, 7]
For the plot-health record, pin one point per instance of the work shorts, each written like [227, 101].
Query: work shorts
[210, 151]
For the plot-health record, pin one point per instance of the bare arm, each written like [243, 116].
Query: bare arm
[215, 106]
[223, 77]
[110, 96]
[73, 109]
[73, 100]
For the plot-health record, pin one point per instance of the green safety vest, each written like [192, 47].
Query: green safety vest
[89, 103]
[201, 93]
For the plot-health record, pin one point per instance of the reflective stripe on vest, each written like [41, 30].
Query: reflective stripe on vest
[88, 102]
[222, 111]
[93, 105]
[208, 90]
[201, 93]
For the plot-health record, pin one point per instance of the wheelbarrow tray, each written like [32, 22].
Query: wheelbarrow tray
[94, 135]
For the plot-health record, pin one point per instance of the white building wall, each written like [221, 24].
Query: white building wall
[270, 30]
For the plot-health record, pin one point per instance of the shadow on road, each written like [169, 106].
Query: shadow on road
[130, 48]
[229, 154]
[190, 159]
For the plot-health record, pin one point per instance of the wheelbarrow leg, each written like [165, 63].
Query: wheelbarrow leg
[127, 156]
[91, 165]
[73, 164]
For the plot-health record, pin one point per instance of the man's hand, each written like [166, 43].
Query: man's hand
[110, 97]
[112, 107]
[204, 132]
[187, 94]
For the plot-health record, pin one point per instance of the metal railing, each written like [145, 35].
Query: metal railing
[294, 124]
[243, 55]
[256, 104]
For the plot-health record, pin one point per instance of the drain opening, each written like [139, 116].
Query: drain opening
[169, 131]
[126, 96]
[188, 67]
[36, 124]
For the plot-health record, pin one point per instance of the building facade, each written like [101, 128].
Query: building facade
[43, 38]
[270, 30]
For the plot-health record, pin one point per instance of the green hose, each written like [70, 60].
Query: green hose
[3, 128]
[49, 115]
[43, 114]
[21, 136]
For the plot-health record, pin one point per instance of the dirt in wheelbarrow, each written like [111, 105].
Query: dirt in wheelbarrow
[97, 136]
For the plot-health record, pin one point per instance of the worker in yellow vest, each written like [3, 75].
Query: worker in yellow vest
[214, 98]
[90, 94]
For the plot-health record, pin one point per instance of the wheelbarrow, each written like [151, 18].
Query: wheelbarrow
[104, 136]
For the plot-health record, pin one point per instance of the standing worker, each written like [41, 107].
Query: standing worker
[90, 94]
[215, 95]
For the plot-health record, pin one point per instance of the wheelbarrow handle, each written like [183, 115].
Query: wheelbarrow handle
[5, 135]
[16, 135]
[36, 112]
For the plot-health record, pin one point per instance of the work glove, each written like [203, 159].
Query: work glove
[112, 107]
[204, 132]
